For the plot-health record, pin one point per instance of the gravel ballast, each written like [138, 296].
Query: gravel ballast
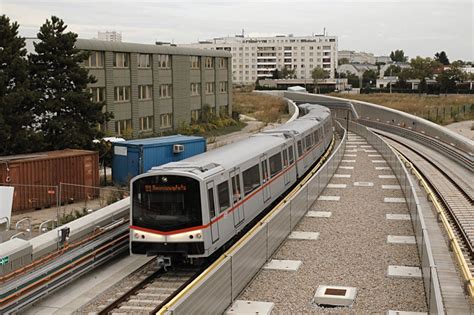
[351, 250]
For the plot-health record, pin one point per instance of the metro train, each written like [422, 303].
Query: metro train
[191, 208]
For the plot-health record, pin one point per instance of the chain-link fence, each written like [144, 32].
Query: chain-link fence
[447, 114]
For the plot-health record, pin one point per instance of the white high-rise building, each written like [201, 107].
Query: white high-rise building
[112, 36]
[258, 57]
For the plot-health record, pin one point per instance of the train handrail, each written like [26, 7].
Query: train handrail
[466, 273]
[41, 226]
[17, 235]
[7, 219]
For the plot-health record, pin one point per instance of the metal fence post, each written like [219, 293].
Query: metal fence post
[58, 201]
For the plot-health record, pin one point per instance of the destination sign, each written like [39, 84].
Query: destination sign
[159, 188]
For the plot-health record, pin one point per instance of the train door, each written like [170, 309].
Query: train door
[265, 177]
[285, 165]
[212, 211]
[237, 197]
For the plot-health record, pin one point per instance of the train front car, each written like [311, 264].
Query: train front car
[166, 216]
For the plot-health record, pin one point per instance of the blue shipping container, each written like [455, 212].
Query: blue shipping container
[135, 157]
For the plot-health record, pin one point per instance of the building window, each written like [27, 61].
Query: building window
[122, 126]
[165, 120]
[209, 87]
[98, 94]
[95, 60]
[195, 115]
[164, 61]
[121, 60]
[146, 123]
[194, 60]
[195, 88]
[144, 61]
[222, 63]
[145, 92]
[165, 90]
[209, 63]
[122, 93]
[223, 87]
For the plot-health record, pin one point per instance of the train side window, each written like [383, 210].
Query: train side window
[316, 138]
[275, 164]
[308, 142]
[290, 155]
[212, 208]
[223, 194]
[236, 188]
[285, 158]
[251, 179]
[300, 148]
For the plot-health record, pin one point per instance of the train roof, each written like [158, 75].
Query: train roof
[228, 156]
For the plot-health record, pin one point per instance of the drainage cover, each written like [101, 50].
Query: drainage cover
[329, 295]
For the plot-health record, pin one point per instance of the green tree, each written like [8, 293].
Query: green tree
[276, 74]
[369, 77]
[16, 117]
[423, 68]
[392, 70]
[317, 74]
[398, 56]
[67, 116]
[441, 57]
[286, 73]
[448, 78]
[343, 61]
[353, 80]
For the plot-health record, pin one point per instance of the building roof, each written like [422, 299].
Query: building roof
[174, 139]
[100, 45]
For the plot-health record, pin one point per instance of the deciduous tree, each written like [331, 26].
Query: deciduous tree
[398, 56]
[441, 57]
[317, 74]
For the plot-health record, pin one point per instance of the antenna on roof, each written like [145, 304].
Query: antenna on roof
[243, 33]
[324, 31]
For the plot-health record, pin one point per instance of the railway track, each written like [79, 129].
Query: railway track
[457, 204]
[153, 291]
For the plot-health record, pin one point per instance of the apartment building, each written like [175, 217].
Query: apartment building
[258, 57]
[356, 56]
[110, 36]
[153, 88]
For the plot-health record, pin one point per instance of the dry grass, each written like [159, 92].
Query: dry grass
[262, 107]
[422, 105]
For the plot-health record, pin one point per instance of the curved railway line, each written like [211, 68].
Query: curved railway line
[456, 206]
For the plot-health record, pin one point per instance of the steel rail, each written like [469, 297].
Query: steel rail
[453, 241]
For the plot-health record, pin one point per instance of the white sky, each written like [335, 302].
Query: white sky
[419, 27]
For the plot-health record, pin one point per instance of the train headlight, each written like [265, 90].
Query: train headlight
[198, 235]
[136, 235]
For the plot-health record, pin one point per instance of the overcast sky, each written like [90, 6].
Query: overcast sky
[419, 27]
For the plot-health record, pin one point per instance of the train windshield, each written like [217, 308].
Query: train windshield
[166, 203]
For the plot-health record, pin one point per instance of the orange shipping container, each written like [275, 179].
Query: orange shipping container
[35, 177]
